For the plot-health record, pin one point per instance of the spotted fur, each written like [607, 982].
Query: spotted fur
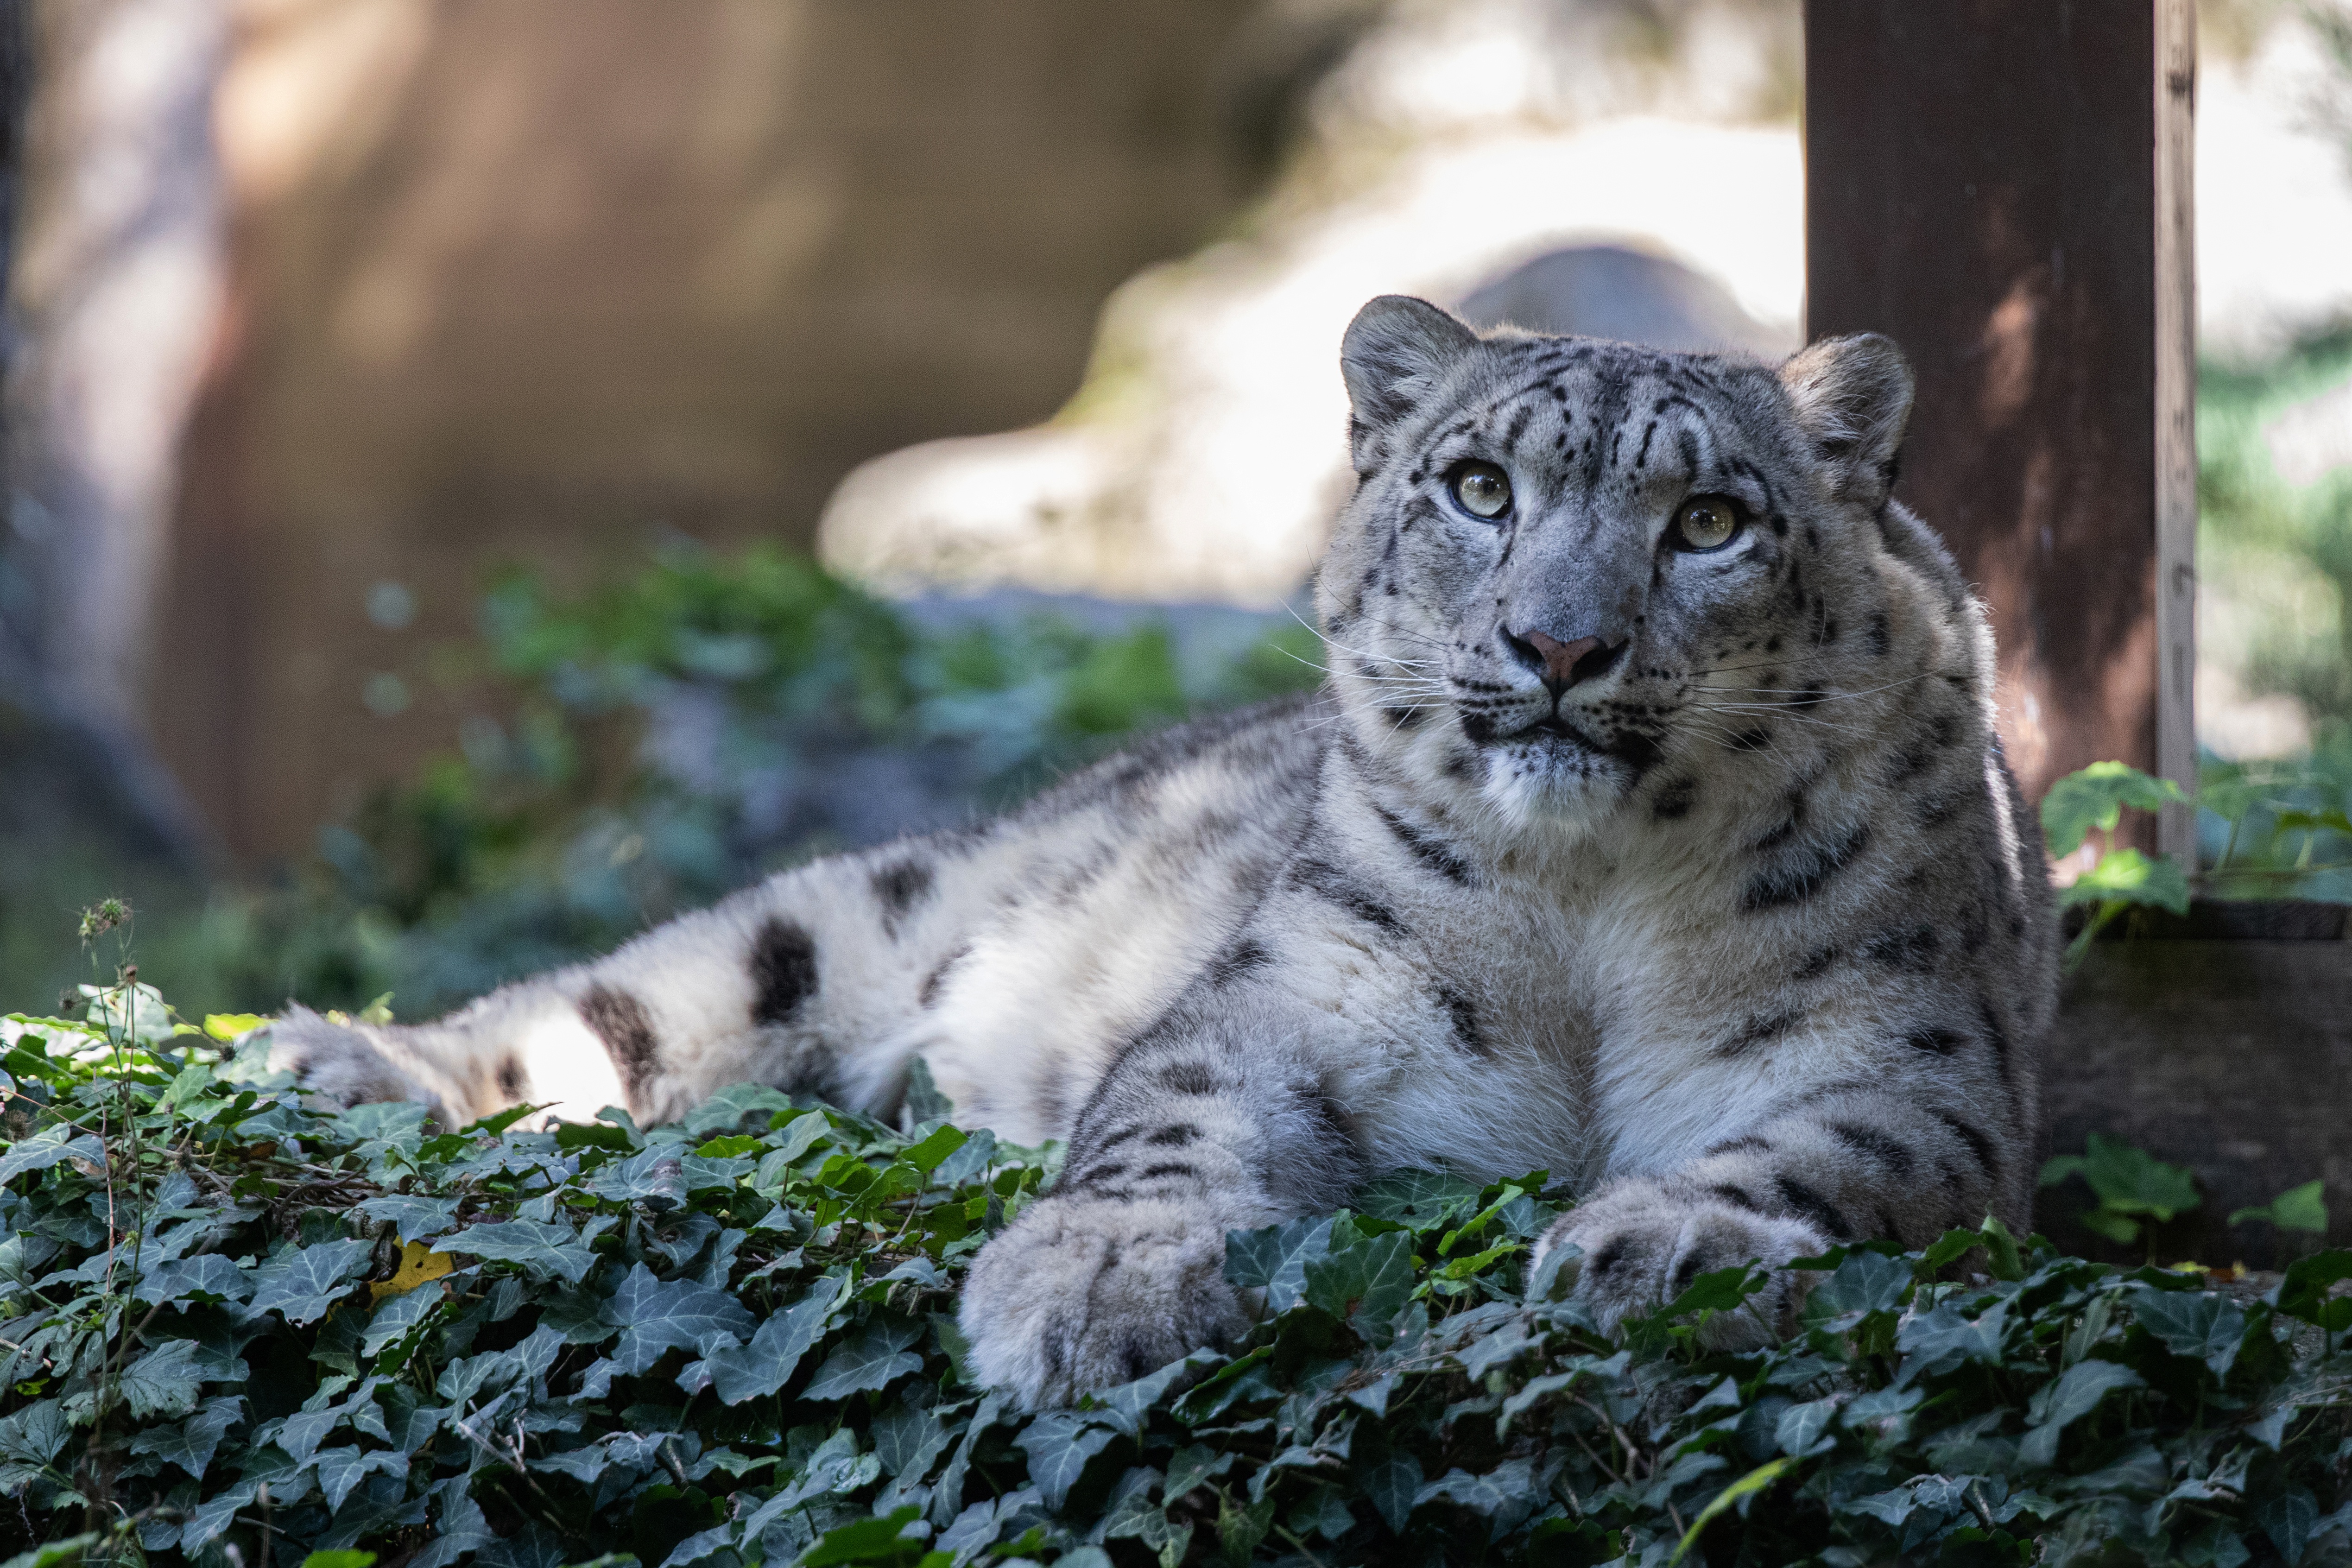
[1693, 878]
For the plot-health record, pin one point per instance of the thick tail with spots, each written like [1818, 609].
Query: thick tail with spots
[730, 995]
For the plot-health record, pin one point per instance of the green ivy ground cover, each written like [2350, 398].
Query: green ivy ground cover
[240, 1331]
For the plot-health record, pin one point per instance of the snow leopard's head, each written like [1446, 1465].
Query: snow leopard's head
[1575, 571]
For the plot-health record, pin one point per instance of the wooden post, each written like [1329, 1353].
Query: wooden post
[2002, 186]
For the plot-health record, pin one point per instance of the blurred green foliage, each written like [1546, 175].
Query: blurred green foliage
[2274, 558]
[661, 742]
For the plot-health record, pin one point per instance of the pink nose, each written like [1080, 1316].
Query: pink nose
[1559, 659]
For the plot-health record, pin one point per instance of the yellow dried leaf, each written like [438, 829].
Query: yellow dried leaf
[418, 1263]
[229, 1027]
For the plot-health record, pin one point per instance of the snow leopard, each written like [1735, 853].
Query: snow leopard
[1650, 830]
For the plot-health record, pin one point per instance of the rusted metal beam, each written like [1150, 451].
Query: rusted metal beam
[2002, 186]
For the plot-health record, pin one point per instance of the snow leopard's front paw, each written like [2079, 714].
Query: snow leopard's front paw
[1081, 1294]
[1641, 1248]
[338, 1061]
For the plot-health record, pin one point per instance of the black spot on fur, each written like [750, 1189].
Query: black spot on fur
[1477, 727]
[1759, 1031]
[510, 1078]
[621, 1022]
[1242, 958]
[1802, 874]
[1336, 1130]
[899, 887]
[1684, 1273]
[1877, 1144]
[1737, 1197]
[1999, 1037]
[1431, 851]
[1174, 1137]
[1674, 800]
[783, 970]
[1936, 1041]
[1914, 948]
[1882, 634]
[1189, 1077]
[1978, 1145]
[1754, 739]
[1813, 1207]
[1466, 1033]
[929, 995]
[1817, 963]
[1335, 887]
[1734, 1145]
[1170, 1168]
[1612, 1253]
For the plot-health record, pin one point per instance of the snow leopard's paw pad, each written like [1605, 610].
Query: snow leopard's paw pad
[1082, 1294]
[1639, 1249]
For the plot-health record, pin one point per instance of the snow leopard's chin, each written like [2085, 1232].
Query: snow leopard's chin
[1554, 783]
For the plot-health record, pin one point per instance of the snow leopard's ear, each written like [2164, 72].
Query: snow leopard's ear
[1396, 351]
[1853, 400]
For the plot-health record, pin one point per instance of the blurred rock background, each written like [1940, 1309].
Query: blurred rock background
[329, 315]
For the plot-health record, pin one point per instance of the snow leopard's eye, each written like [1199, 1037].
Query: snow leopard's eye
[1482, 489]
[1705, 522]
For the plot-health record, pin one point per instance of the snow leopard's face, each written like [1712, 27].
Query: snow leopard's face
[1599, 565]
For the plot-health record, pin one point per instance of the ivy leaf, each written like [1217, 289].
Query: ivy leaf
[1490, 1493]
[1945, 1337]
[34, 1435]
[1059, 1444]
[907, 1438]
[303, 1282]
[2075, 1394]
[49, 1146]
[654, 1317]
[701, 1544]
[968, 1160]
[866, 1540]
[1275, 1259]
[190, 1444]
[1421, 1201]
[767, 1363]
[1196, 1465]
[2127, 1180]
[2096, 797]
[413, 1218]
[163, 1382]
[341, 1469]
[1368, 1282]
[1393, 1481]
[1863, 1282]
[2198, 1324]
[2303, 1292]
[2303, 1208]
[876, 1357]
[1129, 1405]
[398, 1316]
[207, 1274]
[927, 1155]
[725, 1111]
[655, 1178]
[2128, 877]
[544, 1249]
